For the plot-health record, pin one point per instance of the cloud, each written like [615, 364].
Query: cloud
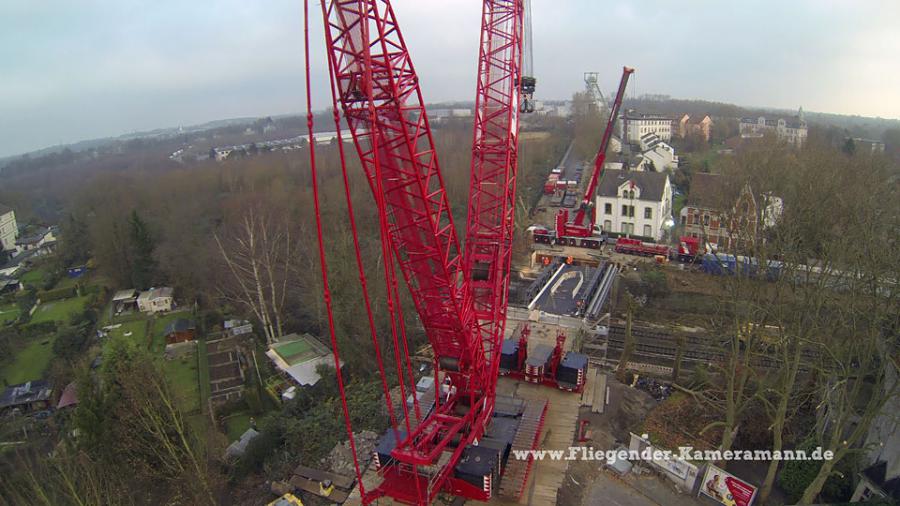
[76, 70]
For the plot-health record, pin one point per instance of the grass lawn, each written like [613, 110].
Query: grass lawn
[59, 310]
[236, 424]
[8, 313]
[182, 374]
[159, 329]
[134, 332]
[34, 277]
[29, 362]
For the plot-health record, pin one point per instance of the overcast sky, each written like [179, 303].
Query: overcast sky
[71, 71]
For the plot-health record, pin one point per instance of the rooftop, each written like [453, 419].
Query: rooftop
[25, 393]
[652, 184]
[180, 325]
[299, 356]
[155, 293]
[69, 396]
[35, 237]
[127, 294]
[237, 448]
[634, 115]
[710, 191]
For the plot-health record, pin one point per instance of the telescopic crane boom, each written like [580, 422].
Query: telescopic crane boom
[578, 227]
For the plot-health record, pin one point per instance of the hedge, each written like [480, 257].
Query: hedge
[57, 294]
[36, 329]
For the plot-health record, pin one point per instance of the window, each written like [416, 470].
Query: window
[607, 226]
[648, 213]
[607, 208]
[706, 220]
[647, 231]
[624, 210]
[631, 211]
[627, 228]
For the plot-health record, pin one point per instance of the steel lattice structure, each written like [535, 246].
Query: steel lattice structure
[460, 299]
[492, 190]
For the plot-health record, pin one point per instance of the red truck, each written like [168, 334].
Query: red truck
[688, 249]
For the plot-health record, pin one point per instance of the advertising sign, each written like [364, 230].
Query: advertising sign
[726, 488]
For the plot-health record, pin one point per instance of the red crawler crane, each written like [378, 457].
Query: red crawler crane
[460, 299]
[578, 228]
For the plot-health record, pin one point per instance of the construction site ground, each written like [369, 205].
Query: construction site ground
[589, 482]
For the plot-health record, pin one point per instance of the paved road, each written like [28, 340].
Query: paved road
[571, 164]
[635, 491]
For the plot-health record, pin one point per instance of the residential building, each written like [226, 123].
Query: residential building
[658, 153]
[444, 113]
[43, 239]
[634, 203]
[867, 145]
[792, 130]
[9, 230]
[615, 144]
[26, 397]
[298, 356]
[723, 213]
[237, 449]
[18, 262]
[237, 327]
[181, 330]
[881, 451]
[634, 125]
[125, 300]
[8, 284]
[697, 124]
[156, 300]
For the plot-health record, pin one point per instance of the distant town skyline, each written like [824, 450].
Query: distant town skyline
[73, 72]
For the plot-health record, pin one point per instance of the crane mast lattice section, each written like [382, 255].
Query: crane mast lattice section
[492, 190]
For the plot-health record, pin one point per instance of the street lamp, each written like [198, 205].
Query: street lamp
[667, 225]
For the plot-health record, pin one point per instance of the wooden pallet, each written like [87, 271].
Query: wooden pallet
[590, 385]
[339, 481]
[599, 402]
[337, 495]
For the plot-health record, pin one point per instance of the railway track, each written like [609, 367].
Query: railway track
[656, 344]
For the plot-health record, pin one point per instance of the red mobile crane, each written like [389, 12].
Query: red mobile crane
[577, 232]
[460, 298]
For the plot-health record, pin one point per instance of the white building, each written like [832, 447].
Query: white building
[658, 153]
[636, 125]
[298, 357]
[9, 229]
[634, 203]
[792, 130]
[156, 300]
[43, 239]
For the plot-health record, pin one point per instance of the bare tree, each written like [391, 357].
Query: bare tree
[258, 253]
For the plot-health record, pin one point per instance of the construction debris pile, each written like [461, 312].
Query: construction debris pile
[340, 459]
